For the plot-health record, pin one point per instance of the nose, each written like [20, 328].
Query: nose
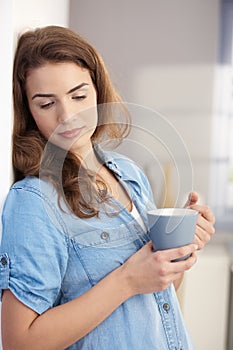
[65, 112]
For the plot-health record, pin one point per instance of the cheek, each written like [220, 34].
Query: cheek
[45, 128]
[94, 122]
[44, 122]
[89, 117]
[95, 117]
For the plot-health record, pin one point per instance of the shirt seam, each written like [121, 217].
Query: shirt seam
[40, 194]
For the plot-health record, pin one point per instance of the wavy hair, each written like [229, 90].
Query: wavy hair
[54, 44]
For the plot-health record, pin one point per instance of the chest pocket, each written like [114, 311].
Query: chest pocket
[102, 250]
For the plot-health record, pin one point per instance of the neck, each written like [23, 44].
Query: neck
[90, 161]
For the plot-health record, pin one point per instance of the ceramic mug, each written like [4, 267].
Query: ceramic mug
[172, 228]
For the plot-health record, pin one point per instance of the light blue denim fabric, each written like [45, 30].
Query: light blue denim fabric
[49, 257]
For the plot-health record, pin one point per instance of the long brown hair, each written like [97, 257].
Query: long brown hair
[58, 44]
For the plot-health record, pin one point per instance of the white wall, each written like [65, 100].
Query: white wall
[6, 43]
[15, 16]
[32, 13]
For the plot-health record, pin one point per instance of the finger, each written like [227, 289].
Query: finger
[192, 199]
[205, 211]
[202, 236]
[198, 242]
[176, 253]
[205, 225]
[181, 266]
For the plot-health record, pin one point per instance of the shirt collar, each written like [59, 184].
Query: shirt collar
[110, 161]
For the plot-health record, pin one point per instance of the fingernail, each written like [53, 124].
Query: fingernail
[196, 246]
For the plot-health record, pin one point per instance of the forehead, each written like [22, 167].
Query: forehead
[55, 76]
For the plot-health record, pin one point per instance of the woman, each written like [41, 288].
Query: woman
[77, 268]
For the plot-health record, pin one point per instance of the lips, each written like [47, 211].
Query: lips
[69, 134]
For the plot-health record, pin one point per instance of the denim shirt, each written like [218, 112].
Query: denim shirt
[49, 256]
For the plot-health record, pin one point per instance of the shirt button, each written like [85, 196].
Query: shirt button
[166, 307]
[3, 261]
[104, 235]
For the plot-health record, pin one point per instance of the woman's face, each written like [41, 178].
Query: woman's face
[62, 100]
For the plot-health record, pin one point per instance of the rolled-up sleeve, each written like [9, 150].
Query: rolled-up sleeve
[34, 250]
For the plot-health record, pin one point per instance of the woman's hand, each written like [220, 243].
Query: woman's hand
[148, 271]
[205, 222]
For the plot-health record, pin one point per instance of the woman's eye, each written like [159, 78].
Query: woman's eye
[81, 97]
[47, 105]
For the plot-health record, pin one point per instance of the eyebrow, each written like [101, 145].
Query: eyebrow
[53, 95]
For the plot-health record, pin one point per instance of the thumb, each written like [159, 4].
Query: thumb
[192, 199]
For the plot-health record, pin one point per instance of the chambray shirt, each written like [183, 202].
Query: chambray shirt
[48, 257]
